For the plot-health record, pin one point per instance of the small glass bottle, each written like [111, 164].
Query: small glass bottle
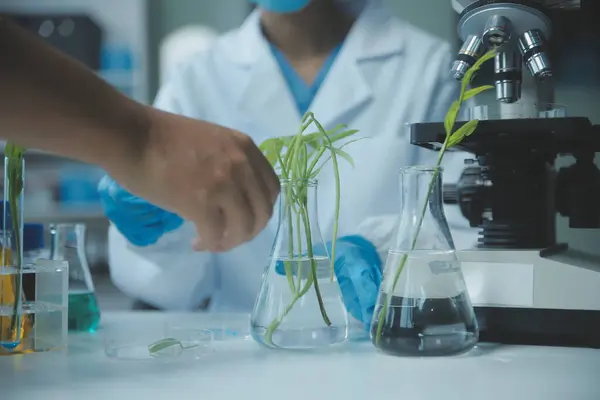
[68, 244]
[423, 307]
[299, 305]
[33, 250]
[33, 243]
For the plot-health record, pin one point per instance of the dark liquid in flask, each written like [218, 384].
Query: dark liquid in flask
[427, 327]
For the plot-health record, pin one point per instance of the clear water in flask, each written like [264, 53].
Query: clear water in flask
[429, 312]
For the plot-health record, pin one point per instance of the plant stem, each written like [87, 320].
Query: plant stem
[449, 124]
[14, 209]
[302, 213]
[299, 262]
[313, 266]
[288, 268]
[277, 321]
[384, 310]
[336, 174]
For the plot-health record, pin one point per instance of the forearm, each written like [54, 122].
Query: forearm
[51, 102]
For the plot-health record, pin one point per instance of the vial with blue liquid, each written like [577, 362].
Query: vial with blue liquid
[68, 244]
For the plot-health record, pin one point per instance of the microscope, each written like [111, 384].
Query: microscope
[525, 286]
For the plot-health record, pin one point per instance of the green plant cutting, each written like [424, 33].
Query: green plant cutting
[452, 139]
[157, 347]
[14, 174]
[298, 160]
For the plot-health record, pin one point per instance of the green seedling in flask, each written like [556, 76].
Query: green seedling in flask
[299, 159]
[452, 139]
[14, 172]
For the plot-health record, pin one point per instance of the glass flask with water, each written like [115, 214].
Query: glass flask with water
[299, 305]
[68, 243]
[423, 307]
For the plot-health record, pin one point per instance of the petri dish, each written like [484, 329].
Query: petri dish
[166, 342]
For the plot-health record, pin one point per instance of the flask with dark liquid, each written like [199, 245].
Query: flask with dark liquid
[423, 307]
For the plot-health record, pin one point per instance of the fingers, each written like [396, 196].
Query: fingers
[262, 186]
[240, 216]
[260, 196]
[266, 174]
[211, 228]
[248, 201]
[240, 194]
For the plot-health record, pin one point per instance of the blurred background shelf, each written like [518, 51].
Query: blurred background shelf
[95, 217]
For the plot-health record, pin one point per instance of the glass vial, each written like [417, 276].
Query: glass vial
[13, 324]
[299, 305]
[68, 244]
[423, 307]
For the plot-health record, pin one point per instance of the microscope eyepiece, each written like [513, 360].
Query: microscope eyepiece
[532, 47]
[469, 53]
[508, 76]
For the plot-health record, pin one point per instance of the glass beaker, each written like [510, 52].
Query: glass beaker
[423, 307]
[68, 243]
[299, 305]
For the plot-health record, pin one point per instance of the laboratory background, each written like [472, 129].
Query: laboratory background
[132, 43]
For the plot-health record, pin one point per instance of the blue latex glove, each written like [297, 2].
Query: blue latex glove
[357, 267]
[139, 221]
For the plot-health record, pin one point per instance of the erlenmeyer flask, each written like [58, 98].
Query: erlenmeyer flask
[299, 305]
[423, 308]
[68, 244]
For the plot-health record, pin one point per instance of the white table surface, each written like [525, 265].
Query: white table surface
[240, 369]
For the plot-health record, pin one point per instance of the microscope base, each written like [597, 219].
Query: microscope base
[539, 327]
[549, 297]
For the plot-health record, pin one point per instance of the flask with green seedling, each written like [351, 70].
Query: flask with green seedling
[423, 307]
[299, 305]
[33, 302]
[14, 326]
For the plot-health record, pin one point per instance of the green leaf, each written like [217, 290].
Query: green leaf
[12, 150]
[315, 172]
[266, 145]
[272, 148]
[312, 139]
[163, 344]
[343, 135]
[466, 130]
[471, 72]
[344, 155]
[475, 91]
[451, 116]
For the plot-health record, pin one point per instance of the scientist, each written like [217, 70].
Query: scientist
[50, 102]
[349, 62]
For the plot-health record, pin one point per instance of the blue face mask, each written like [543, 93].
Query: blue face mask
[281, 6]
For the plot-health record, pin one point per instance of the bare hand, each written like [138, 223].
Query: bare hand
[212, 176]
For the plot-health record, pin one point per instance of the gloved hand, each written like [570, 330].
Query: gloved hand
[139, 221]
[357, 267]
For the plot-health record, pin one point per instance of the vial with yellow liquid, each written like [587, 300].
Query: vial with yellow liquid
[33, 294]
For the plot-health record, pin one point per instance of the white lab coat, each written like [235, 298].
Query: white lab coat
[388, 74]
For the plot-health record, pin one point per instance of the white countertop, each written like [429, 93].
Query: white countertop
[240, 369]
